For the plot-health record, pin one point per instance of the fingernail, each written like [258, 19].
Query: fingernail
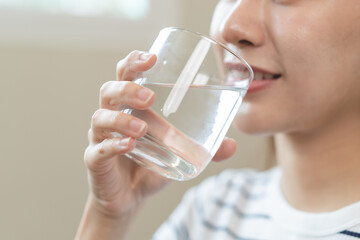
[137, 126]
[145, 56]
[123, 143]
[145, 94]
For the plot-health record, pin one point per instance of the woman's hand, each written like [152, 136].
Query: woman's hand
[227, 149]
[118, 185]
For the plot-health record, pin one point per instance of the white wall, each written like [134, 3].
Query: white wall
[49, 81]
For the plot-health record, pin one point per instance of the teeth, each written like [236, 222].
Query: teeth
[258, 76]
[239, 74]
[269, 76]
[261, 76]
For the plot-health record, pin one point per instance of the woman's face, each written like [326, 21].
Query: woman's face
[307, 53]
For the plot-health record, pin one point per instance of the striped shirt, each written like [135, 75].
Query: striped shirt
[249, 205]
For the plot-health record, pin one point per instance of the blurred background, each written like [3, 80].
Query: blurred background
[54, 56]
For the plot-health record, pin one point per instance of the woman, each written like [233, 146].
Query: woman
[306, 58]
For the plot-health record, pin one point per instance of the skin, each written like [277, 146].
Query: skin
[119, 187]
[314, 46]
[313, 110]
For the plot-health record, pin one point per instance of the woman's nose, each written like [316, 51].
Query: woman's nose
[243, 26]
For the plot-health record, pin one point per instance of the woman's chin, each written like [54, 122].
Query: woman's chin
[252, 127]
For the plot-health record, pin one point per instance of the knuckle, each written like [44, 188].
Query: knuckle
[120, 64]
[92, 156]
[95, 117]
[124, 88]
[105, 88]
[87, 155]
[133, 55]
[123, 91]
[120, 68]
[90, 134]
[125, 62]
[89, 164]
[115, 118]
[113, 146]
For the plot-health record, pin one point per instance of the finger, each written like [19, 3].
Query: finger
[104, 122]
[226, 150]
[96, 155]
[134, 64]
[113, 94]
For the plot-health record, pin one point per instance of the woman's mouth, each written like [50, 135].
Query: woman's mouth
[262, 79]
[238, 75]
[264, 76]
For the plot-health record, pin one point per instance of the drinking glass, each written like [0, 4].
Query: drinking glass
[199, 85]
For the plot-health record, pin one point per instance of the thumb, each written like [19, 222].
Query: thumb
[226, 150]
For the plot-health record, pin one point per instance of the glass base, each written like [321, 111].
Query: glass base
[155, 156]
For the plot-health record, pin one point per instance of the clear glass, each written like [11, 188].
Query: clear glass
[199, 85]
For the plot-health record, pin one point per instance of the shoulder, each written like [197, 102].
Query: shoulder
[246, 181]
[229, 187]
[228, 200]
[217, 204]
[245, 176]
[232, 186]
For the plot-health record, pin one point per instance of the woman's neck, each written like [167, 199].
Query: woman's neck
[321, 169]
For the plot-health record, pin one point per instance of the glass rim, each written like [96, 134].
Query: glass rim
[214, 41]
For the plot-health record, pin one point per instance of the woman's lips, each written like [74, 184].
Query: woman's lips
[262, 79]
[239, 75]
[257, 85]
